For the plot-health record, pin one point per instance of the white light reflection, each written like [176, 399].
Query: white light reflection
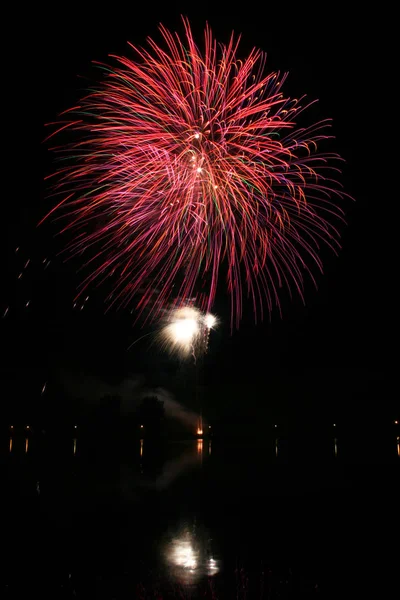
[74, 450]
[335, 440]
[184, 555]
[212, 567]
[189, 555]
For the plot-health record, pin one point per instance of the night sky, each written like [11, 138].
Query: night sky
[332, 354]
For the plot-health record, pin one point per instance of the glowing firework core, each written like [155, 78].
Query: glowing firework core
[186, 329]
[183, 329]
[210, 321]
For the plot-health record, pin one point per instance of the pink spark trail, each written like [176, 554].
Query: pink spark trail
[182, 160]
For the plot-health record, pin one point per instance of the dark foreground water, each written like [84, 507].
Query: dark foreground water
[297, 517]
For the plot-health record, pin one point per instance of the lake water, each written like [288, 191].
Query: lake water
[283, 517]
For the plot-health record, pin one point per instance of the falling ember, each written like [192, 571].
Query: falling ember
[5, 312]
[27, 304]
[44, 388]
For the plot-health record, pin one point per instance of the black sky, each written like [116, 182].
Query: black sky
[345, 330]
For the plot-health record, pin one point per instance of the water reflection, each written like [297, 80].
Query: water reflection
[209, 448]
[152, 473]
[11, 443]
[191, 457]
[335, 442]
[26, 444]
[398, 446]
[141, 455]
[74, 447]
[189, 554]
[276, 447]
[199, 446]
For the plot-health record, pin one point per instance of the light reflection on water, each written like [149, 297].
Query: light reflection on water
[188, 553]
[200, 449]
[203, 449]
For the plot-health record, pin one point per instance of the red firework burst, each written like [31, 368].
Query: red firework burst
[181, 160]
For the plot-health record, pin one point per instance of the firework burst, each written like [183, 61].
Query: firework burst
[182, 160]
[186, 331]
